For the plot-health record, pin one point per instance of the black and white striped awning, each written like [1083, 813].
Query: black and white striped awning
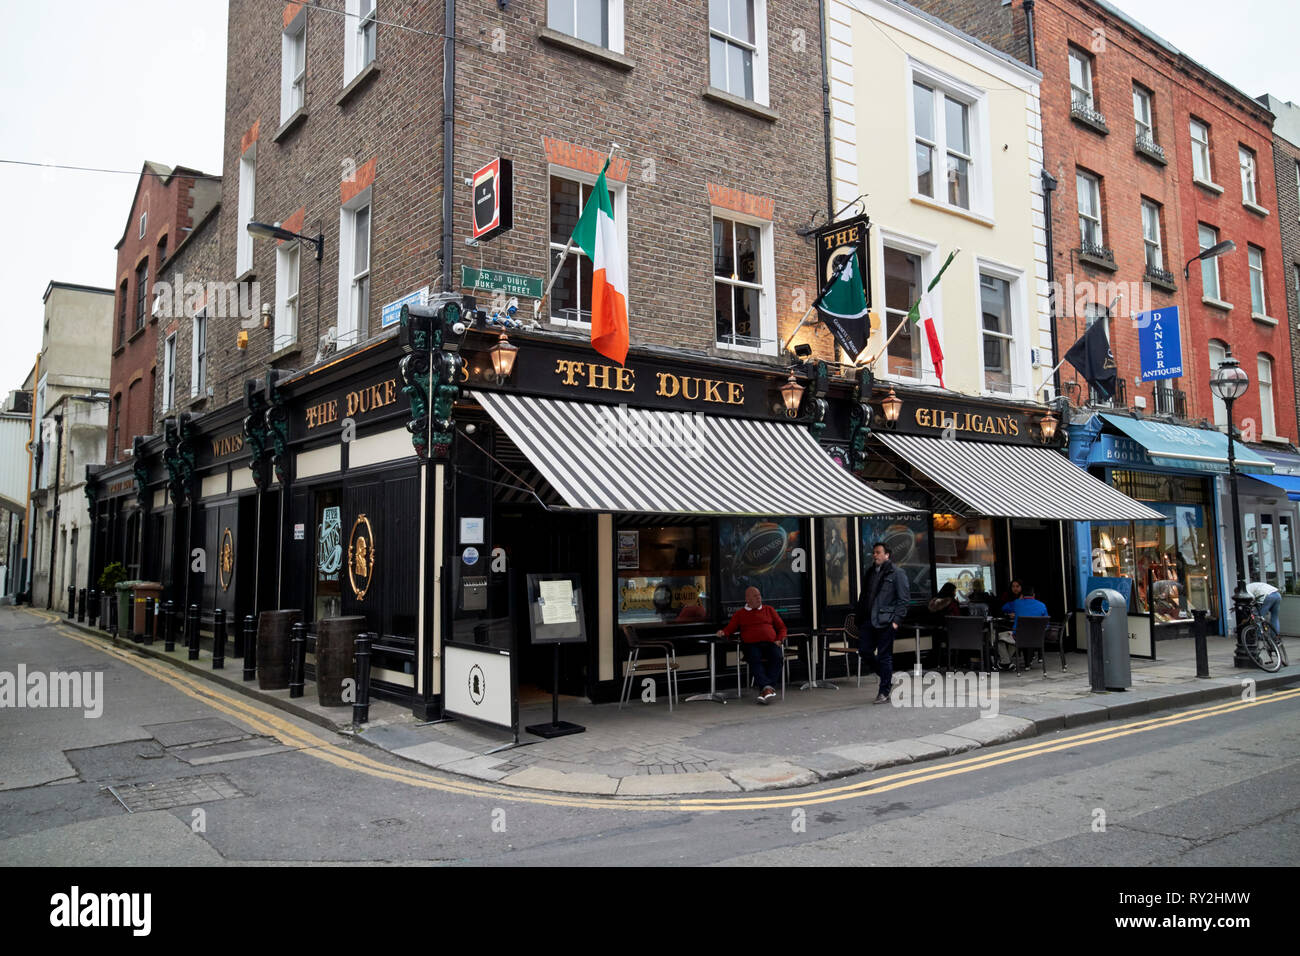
[1015, 481]
[615, 458]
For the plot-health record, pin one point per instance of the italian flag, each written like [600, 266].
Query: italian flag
[923, 304]
[595, 235]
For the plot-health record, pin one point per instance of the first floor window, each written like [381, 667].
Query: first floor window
[902, 289]
[288, 258]
[169, 373]
[1080, 80]
[199, 355]
[354, 269]
[1218, 355]
[738, 282]
[1151, 235]
[1255, 255]
[1267, 423]
[995, 308]
[247, 194]
[1089, 192]
[1208, 236]
[571, 294]
[1142, 114]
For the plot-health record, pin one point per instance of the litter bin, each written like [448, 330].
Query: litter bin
[1110, 608]
[139, 591]
[125, 619]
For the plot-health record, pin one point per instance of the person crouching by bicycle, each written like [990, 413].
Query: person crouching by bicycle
[1269, 600]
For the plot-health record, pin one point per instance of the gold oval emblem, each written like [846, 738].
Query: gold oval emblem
[227, 559]
[361, 556]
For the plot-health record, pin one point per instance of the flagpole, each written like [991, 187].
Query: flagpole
[839, 268]
[537, 305]
[915, 305]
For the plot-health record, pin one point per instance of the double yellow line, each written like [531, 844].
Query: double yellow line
[271, 724]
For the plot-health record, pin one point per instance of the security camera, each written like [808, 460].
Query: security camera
[512, 306]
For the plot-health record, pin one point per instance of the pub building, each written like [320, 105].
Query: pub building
[440, 507]
[1177, 563]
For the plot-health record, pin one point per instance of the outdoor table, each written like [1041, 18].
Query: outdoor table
[815, 641]
[713, 641]
[916, 630]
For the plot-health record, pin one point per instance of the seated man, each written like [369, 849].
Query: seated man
[761, 633]
[1024, 606]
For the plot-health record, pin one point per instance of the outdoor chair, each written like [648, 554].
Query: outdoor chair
[1029, 636]
[1055, 634]
[844, 640]
[966, 634]
[635, 645]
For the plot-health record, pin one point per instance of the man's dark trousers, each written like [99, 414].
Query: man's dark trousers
[765, 659]
[882, 655]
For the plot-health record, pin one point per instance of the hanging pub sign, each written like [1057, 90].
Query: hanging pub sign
[493, 199]
[836, 242]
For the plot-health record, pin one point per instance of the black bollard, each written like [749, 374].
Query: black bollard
[72, 601]
[169, 626]
[1096, 664]
[92, 608]
[361, 657]
[192, 631]
[219, 639]
[81, 606]
[150, 612]
[297, 660]
[250, 647]
[1202, 651]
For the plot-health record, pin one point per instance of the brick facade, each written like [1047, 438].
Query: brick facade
[170, 202]
[546, 104]
[1121, 55]
[1286, 163]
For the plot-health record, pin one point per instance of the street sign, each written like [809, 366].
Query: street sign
[1160, 344]
[492, 280]
[393, 311]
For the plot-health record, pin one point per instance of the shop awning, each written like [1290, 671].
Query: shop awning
[607, 458]
[1177, 446]
[1288, 483]
[1014, 481]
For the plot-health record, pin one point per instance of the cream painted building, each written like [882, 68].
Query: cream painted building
[942, 135]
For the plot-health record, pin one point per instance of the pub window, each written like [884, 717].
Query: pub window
[571, 294]
[908, 537]
[327, 594]
[964, 555]
[663, 572]
[762, 553]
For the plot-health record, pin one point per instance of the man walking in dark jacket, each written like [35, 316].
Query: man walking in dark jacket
[881, 607]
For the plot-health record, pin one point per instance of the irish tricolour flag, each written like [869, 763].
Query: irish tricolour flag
[595, 236]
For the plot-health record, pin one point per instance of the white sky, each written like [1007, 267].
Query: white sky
[111, 84]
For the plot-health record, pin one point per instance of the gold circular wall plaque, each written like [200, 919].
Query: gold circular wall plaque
[227, 560]
[361, 556]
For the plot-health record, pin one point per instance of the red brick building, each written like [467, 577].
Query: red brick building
[167, 205]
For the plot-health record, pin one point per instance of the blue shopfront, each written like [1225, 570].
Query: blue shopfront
[1169, 568]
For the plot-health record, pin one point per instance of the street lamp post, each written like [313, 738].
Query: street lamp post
[1218, 249]
[1229, 382]
[266, 230]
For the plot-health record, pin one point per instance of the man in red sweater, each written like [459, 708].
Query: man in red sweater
[761, 633]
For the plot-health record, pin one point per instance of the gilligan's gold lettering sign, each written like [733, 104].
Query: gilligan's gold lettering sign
[223, 445]
[361, 557]
[942, 420]
[668, 385]
[354, 404]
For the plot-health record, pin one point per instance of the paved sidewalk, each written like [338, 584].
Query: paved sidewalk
[812, 735]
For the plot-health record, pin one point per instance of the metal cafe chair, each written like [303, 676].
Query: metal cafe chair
[846, 644]
[1031, 633]
[966, 634]
[635, 645]
[1055, 634]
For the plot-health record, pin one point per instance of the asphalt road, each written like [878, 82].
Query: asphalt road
[216, 779]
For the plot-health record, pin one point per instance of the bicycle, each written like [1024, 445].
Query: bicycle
[1262, 643]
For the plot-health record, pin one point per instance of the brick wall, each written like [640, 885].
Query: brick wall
[1285, 157]
[510, 101]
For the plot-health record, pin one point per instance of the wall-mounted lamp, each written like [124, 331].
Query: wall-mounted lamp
[268, 311]
[792, 395]
[1048, 425]
[503, 356]
[892, 405]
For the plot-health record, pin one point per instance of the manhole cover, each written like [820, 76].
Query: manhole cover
[184, 732]
[181, 792]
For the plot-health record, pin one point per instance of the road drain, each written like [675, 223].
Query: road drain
[181, 792]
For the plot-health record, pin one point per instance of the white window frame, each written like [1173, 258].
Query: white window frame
[928, 252]
[1147, 242]
[978, 178]
[1249, 175]
[348, 330]
[144, 223]
[1021, 371]
[1143, 104]
[359, 16]
[1093, 215]
[293, 81]
[1211, 263]
[614, 16]
[1267, 410]
[247, 210]
[288, 283]
[618, 191]
[1201, 151]
[767, 333]
[199, 354]
[169, 373]
[1253, 253]
[1085, 63]
[759, 51]
[1218, 350]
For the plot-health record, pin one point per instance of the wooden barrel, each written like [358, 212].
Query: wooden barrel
[274, 628]
[334, 647]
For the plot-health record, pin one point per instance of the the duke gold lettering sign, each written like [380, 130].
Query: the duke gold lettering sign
[695, 389]
[610, 378]
[360, 401]
[322, 414]
[224, 445]
[967, 422]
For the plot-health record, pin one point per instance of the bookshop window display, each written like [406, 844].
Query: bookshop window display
[1170, 563]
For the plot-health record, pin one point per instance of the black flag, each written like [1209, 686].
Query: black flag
[1091, 355]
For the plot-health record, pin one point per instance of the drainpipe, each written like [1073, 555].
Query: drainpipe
[54, 490]
[448, 136]
[1049, 186]
[1029, 27]
[826, 112]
